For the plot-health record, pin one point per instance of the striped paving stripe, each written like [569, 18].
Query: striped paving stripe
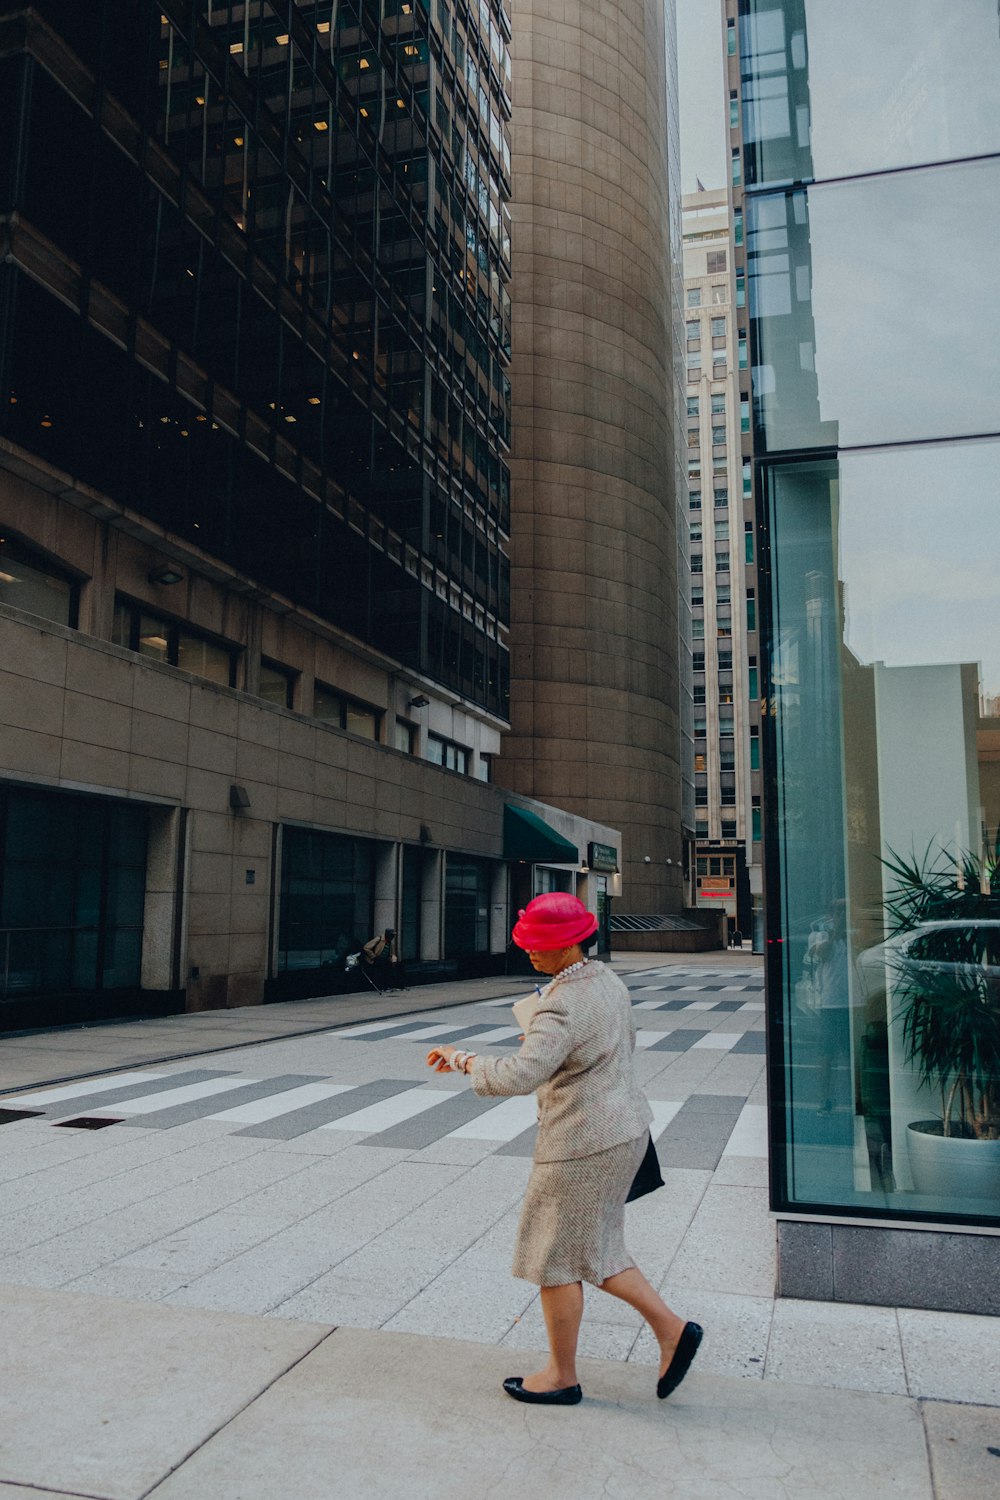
[202, 1107]
[372, 1028]
[498, 1034]
[719, 1041]
[165, 1098]
[644, 1039]
[387, 1112]
[502, 1123]
[749, 1137]
[111, 1100]
[288, 1127]
[77, 1090]
[281, 1104]
[432, 1125]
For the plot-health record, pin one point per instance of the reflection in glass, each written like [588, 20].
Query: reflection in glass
[885, 693]
[835, 89]
[853, 297]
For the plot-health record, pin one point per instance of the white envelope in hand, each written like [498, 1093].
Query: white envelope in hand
[525, 1009]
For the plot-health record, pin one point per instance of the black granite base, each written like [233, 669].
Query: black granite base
[905, 1267]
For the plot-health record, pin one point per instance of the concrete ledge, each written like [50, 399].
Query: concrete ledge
[904, 1267]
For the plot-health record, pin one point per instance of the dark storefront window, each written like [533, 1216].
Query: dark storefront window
[174, 644]
[410, 925]
[72, 891]
[466, 906]
[326, 898]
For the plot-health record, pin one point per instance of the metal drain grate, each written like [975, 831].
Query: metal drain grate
[7, 1116]
[87, 1122]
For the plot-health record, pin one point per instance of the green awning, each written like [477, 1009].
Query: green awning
[526, 837]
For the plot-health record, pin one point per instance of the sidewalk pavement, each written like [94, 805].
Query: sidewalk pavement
[127, 1401]
[60, 1054]
[216, 1370]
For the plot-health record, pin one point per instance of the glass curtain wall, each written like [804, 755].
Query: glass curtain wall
[872, 164]
[327, 896]
[466, 906]
[289, 343]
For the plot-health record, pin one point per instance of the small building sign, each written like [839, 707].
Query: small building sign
[603, 858]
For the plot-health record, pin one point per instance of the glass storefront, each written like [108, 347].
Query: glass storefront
[326, 898]
[877, 433]
[72, 892]
[466, 906]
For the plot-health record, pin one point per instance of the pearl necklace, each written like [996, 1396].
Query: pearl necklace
[571, 969]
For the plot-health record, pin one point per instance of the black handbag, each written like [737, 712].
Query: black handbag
[649, 1177]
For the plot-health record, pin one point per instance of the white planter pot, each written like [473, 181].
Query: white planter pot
[952, 1167]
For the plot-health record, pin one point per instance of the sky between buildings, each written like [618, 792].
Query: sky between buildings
[702, 94]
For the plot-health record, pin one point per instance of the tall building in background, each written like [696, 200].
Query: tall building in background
[870, 167]
[594, 615]
[726, 744]
[254, 500]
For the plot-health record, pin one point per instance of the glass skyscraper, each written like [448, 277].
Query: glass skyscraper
[871, 167]
[271, 241]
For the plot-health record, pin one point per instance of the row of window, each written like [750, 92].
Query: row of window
[719, 295]
[30, 582]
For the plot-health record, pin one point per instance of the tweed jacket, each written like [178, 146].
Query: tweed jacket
[577, 1054]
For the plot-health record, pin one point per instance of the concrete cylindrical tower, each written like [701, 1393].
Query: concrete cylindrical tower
[593, 552]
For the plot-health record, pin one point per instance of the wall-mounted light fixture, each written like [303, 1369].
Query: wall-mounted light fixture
[418, 702]
[239, 798]
[165, 574]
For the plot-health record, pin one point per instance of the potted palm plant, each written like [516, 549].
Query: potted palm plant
[944, 952]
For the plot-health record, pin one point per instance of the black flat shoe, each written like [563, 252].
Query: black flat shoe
[570, 1395]
[687, 1348]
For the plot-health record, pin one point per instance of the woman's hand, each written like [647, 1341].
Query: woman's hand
[439, 1058]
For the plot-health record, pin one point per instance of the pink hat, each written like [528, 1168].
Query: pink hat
[555, 920]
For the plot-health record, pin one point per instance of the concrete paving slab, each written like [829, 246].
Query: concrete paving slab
[964, 1446]
[730, 1245]
[737, 1330]
[951, 1356]
[129, 1389]
[447, 1430]
[19, 1492]
[836, 1344]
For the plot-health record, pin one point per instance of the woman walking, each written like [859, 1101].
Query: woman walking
[593, 1130]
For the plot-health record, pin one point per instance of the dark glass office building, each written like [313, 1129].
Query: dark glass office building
[270, 243]
[871, 158]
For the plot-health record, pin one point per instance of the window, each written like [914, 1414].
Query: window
[742, 345]
[728, 828]
[277, 684]
[701, 796]
[30, 582]
[719, 435]
[725, 661]
[722, 593]
[726, 727]
[718, 363]
[717, 263]
[327, 893]
[718, 401]
[721, 499]
[748, 540]
[695, 532]
[718, 330]
[694, 467]
[699, 726]
[345, 713]
[734, 108]
[694, 360]
[720, 294]
[720, 465]
[698, 661]
[693, 330]
[737, 172]
[751, 613]
[755, 749]
[741, 289]
[730, 38]
[405, 736]
[722, 531]
[466, 906]
[173, 644]
[722, 562]
[484, 767]
[692, 406]
[698, 694]
[698, 628]
[745, 414]
[697, 596]
[446, 753]
[727, 758]
[694, 296]
[694, 500]
[738, 226]
[747, 481]
[698, 566]
[753, 682]
[755, 824]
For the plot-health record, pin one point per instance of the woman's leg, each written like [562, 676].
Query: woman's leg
[562, 1307]
[632, 1287]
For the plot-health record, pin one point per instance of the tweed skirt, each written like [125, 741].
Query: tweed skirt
[573, 1218]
